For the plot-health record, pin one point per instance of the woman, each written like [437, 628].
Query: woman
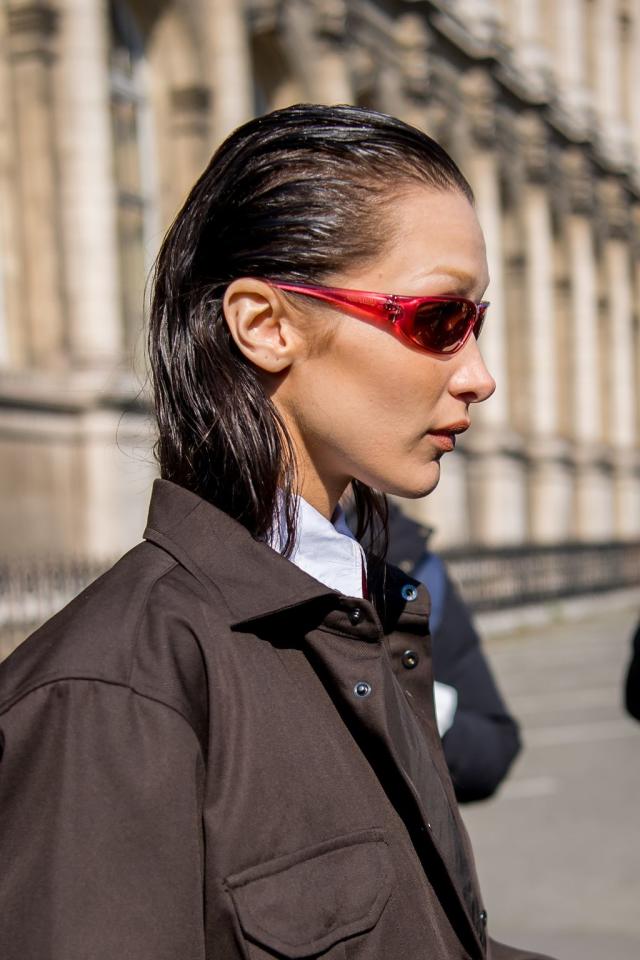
[212, 753]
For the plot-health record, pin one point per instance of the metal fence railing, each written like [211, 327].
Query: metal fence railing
[492, 579]
[32, 591]
[489, 579]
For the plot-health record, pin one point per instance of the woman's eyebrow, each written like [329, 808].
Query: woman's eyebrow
[466, 282]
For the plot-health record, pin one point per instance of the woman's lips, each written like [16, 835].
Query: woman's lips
[443, 439]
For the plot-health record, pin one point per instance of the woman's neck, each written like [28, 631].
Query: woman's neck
[322, 496]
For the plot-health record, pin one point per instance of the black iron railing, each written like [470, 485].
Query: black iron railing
[32, 591]
[512, 576]
[490, 579]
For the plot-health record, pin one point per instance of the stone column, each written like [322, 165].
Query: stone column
[480, 17]
[88, 188]
[496, 479]
[593, 517]
[412, 42]
[331, 81]
[570, 62]
[117, 480]
[314, 37]
[5, 355]
[8, 353]
[31, 32]
[606, 40]
[189, 128]
[225, 22]
[620, 431]
[632, 80]
[529, 54]
[549, 482]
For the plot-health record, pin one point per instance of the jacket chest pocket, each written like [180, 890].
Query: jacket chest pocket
[308, 904]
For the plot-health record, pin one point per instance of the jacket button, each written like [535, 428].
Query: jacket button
[409, 592]
[362, 689]
[410, 659]
[483, 917]
[355, 615]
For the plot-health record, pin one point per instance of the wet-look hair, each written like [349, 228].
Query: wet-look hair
[302, 194]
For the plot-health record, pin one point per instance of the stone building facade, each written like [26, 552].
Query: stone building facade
[108, 112]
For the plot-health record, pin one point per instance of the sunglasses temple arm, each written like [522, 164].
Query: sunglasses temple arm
[367, 308]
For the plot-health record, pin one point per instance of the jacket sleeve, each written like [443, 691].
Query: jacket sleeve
[100, 838]
[483, 739]
[632, 685]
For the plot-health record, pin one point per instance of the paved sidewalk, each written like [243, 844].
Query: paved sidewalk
[558, 851]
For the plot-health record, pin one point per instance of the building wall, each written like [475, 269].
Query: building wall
[108, 112]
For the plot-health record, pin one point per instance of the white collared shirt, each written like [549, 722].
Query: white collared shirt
[326, 549]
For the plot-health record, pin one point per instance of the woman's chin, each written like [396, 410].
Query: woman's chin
[424, 483]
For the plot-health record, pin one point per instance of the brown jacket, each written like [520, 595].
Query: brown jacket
[209, 754]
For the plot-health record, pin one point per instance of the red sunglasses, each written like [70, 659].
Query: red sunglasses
[439, 325]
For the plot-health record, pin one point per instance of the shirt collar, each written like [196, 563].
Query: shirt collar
[325, 549]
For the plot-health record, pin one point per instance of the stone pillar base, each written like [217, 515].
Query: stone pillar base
[593, 496]
[626, 490]
[497, 495]
[550, 491]
[75, 479]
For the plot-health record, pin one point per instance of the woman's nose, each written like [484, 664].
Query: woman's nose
[471, 380]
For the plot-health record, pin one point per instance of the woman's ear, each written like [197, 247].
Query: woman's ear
[257, 317]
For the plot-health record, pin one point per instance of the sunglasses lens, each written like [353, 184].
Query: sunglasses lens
[482, 315]
[441, 326]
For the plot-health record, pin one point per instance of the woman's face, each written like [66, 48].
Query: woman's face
[369, 406]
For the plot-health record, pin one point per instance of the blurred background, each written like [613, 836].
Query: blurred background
[108, 113]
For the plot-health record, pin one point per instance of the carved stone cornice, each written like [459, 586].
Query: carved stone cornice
[445, 82]
[445, 99]
[478, 95]
[32, 28]
[34, 18]
[264, 15]
[511, 163]
[615, 207]
[362, 69]
[194, 98]
[190, 107]
[412, 44]
[64, 389]
[330, 19]
[578, 180]
[477, 41]
[533, 140]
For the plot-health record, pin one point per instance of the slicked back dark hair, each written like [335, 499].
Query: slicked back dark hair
[301, 194]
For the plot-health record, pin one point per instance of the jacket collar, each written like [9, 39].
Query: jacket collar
[253, 580]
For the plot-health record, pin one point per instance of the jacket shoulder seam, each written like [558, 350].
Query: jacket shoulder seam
[90, 678]
[58, 675]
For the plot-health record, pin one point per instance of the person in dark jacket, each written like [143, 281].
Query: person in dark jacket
[632, 682]
[480, 737]
[226, 748]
